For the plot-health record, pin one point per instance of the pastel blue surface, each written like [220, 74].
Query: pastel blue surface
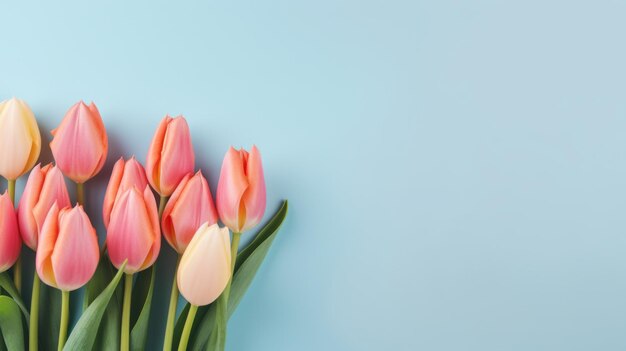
[455, 169]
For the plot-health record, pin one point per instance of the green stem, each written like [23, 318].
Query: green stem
[34, 315]
[162, 203]
[80, 193]
[17, 268]
[125, 334]
[65, 316]
[184, 338]
[218, 335]
[171, 312]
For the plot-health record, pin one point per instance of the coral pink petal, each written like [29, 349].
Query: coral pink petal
[153, 161]
[254, 198]
[26, 221]
[112, 190]
[10, 241]
[130, 235]
[167, 224]
[47, 239]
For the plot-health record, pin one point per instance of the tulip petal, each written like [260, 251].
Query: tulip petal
[130, 234]
[254, 198]
[26, 220]
[153, 162]
[231, 186]
[47, 238]
[167, 224]
[153, 213]
[112, 190]
[10, 241]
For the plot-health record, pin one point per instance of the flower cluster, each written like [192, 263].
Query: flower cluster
[183, 211]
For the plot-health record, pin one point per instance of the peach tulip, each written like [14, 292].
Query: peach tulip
[241, 190]
[204, 269]
[10, 242]
[190, 206]
[170, 157]
[124, 176]
[68, 252]
[133, 233]
[80, 143]
[20, 141]
[45, 186]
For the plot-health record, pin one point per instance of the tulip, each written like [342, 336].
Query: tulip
[170, 157]
[133, 233]
[45, 186]
[10, 242]
[204, 268]
[241, 190]
[134, 237]
[125, 175]
[67, 255]
[20, 141]
[80, 143]
[68, 252]
[204, 271]
[190, 206]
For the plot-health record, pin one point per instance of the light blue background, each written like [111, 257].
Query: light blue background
[456, 169]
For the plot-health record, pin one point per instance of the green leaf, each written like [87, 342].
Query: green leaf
[140, 314]
[84, 334]
[248, 262]
[6, 283]
[110, 324]
[11, 324]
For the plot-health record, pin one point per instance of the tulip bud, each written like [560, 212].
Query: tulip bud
[133, 233]
[80, 143]
[68, 252]
[204, 269]
[170, 157]
[125, 175]
[10, 242]
[45, 186]
[190, 206]
[241, 190]
[20, 141]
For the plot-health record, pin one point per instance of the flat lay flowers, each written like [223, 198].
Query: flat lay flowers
[167, 202]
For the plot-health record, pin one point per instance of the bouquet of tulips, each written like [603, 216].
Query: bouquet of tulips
[212, 275]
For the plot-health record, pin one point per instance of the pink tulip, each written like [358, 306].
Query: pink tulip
[133, 232]
[204, 269]
[124, 176]
[171, 156]
[10, 242]
[241, 190]
[68, 252]
[80, 143]
[44, 187]
[190, 206]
